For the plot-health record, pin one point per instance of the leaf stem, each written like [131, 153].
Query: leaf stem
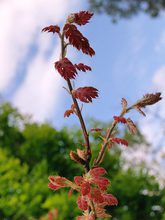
[79, 114]
[106, 140]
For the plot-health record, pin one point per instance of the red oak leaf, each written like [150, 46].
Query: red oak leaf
[76, 39]
[85, 94]
[98, 171]
[101, 182]
[57, 182]
[110, 199]
[66, 69]
[82, 67]
[85, 188]
[78, 180]
[131, 126]
[101, 212]
[120, 119]
[53, 187]
[70, 111]
[119, 141]
[96, 196]
[52, 28]
[82, 203]
[97, 179]
[82, 17]
[96, 129]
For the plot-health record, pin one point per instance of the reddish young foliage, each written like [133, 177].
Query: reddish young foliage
[57, 182]
[50, 215]
[76, 39]
[85, 188]
[149, 99]
[66, 69]
[96, 129]
[92, 185]
[120, 119]
[82, 203]
[74, 156]
[78, 180]
[82, 17]
[124, 103]
[96, 196]
[85, 94]
[119, 141]
[98, 171]
[52, 28]
[53, 187]
[68, 113]
[131, 126]
[110, 199]
[82, 67]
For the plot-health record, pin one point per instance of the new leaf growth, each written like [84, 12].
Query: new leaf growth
[92, 185]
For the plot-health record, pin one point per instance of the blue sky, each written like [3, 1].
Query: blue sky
[129, 62]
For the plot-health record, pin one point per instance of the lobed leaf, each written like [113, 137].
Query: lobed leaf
[66, 69]
[119, 141]
[85, 94]
[52, 28]
[131, 126]
[120, 119]
[82, 67]
[77, 40]
[81, 18]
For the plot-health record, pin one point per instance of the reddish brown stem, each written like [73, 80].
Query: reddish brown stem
[106, 140]
[79, 114]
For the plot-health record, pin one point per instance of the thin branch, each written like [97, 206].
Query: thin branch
[79, 114]
[106, 140]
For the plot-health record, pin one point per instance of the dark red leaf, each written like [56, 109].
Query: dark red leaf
[78, 180]
[82, 203]
[68, 113]
[119, 141]
[96, 196]
[98, 171]
[85, 188]
[131, 126]
[76, 39]
[66, 69]
[82, 67]
[52, 28]
[85, 94]
[82, 17]
[110, 199]
[52, 186]
[120, 119]
[96, 129]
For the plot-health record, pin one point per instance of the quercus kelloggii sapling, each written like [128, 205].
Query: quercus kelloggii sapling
[92, 185]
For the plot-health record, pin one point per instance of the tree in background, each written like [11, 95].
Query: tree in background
[23, 182]
[127, 8]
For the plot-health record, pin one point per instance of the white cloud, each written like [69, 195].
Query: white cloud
[21, 21]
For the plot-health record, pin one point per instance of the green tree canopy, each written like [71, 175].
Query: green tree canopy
[127, 8]
[30, 152]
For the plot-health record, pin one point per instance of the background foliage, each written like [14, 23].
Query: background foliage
[30, 152]
[127, 8]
